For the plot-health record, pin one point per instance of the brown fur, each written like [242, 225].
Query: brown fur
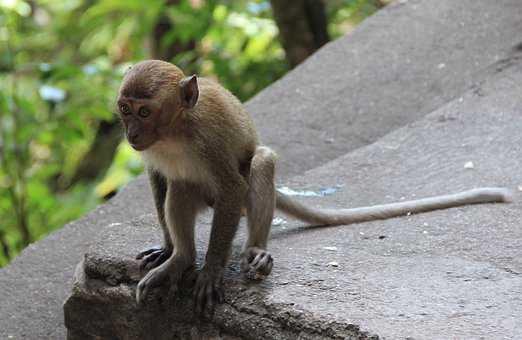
[201, 149]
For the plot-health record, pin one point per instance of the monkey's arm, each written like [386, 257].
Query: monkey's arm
[182, 204]
[158, 254]
[227, 212]
[384, 211]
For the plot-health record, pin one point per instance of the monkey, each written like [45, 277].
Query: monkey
[201, 149]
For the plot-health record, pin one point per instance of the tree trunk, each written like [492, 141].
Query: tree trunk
[163, 51]
[302, 27]
[4, 246]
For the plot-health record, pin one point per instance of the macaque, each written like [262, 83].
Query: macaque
[201, 150]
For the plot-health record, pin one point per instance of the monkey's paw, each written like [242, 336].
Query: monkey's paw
[256, 263]
[172, 270]
[153, 256]
[208, 290]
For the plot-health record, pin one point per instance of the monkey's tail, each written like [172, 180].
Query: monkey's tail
[295, 209]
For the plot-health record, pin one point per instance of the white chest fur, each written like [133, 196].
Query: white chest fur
[176, 161]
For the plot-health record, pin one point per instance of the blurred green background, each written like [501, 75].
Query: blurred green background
[61, 61]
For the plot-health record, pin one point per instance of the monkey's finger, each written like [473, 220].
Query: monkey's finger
[265, 261]
[199, 299]
[143, 288]
[147, 259]
[144, 253]
[141, 292]
[152, 279]
[209, 299]
[190, 276]
[256, 260]
[219, 293]
[147, 251]
[162, 257]
[251, 253]
[196, 293]
[173, 290]
[264, 267]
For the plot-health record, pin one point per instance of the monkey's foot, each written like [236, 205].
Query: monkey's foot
[153, 256]
[256, 263]
[208, 290]
[172, 270]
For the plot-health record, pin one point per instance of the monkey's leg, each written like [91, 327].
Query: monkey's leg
[156, 255]
[260, 205]
[181, 207]
[227, 212]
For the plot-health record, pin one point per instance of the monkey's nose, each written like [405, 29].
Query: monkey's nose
[132, 137]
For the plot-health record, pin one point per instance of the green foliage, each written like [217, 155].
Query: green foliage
[61, 62]
[346, 14]
[49, 109]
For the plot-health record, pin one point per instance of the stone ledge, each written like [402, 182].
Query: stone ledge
[102, 302]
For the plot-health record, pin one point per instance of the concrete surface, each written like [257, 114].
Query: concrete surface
[399, 65]
[453, 46]
[102, 304]
[450, 274]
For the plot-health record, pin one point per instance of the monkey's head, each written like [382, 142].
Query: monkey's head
[152, 95]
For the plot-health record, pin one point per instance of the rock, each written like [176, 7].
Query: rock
[454, 273]
[102, 301]
[397, 66]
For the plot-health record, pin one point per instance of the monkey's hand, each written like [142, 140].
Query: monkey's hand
[153, 256]
[172, 270]
[208, 290]
[256, 263]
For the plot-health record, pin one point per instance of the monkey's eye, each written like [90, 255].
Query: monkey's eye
[124, 109]
[144, 112]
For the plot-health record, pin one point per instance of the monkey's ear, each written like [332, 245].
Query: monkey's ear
[189, 91]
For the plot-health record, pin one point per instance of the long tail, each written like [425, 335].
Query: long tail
[378, 212]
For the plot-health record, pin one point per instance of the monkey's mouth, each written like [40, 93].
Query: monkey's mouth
[139, 147]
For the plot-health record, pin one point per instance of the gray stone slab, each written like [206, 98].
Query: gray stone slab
[103, 305]
[446, 274]
[399, 65]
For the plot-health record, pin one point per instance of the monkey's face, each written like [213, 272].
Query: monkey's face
[141, 119]
[151, 97]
